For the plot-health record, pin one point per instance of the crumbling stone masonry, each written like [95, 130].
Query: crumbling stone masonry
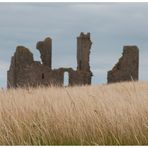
[45, 48]
[128, 66]
[24, 71]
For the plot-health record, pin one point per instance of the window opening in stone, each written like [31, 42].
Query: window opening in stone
[43, 76]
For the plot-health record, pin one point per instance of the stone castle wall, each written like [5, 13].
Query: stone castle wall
[24, 71]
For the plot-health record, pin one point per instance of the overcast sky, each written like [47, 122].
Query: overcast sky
[112, 25]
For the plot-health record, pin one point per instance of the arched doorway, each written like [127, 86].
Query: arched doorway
[66, 78]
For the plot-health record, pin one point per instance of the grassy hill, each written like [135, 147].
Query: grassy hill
[115, 114]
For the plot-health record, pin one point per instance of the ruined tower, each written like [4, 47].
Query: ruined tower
[45, 48]
[22, 59]
[127, 67]
[83, 51]
[83, 74]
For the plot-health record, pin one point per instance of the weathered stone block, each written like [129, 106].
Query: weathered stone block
[45, 48]
[127, 67]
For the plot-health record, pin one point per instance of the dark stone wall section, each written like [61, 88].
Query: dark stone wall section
[127, 67]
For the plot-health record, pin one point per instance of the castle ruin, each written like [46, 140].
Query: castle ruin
[127, 67]
[24, 71]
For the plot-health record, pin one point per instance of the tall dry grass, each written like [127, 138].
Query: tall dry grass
[115, 114]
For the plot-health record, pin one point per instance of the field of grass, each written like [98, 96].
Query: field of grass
[115, 114]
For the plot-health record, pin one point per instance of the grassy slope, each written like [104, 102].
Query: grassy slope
[89, 115]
